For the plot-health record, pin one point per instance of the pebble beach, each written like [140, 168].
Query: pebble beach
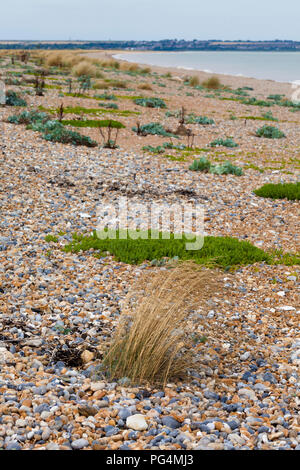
[58, 309]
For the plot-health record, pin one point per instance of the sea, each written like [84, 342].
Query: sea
[278, 66]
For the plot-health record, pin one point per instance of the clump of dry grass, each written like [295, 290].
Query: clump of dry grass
[86, 68]
[129, 67]
[118, 84]
[150, 343]
[100, 85]
[194, 81]
[145, 86]
[212, 83]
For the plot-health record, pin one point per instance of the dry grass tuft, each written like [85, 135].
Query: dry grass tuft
[149, 344]
[86, 68]
[145, 86]
[100, 85]
[194, 81]
[212, 83]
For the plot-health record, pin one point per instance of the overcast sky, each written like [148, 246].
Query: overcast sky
[149, 19]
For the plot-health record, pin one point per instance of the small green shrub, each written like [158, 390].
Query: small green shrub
[13, 99]
[106, 96]
[54, 131]
[193, 119]
[226, 168]
[151, 102]
[270, 132]
[109, 105]
[290, 191]
[229, 142]
[149, 148]
[28, 117]
[201, 164]
[153, 128]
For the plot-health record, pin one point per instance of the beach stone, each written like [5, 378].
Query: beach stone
[245, 392]
[5, 356]
[79, 444]
[136, 422]
[171, 422]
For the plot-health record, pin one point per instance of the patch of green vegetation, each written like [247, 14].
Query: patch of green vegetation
[51, 238]
[109, 105]
[150, 102]
[149, 148]
[153, 128]
[219, 251]
[253, 167]
[28, 117]
[290, 191]
[55, 131]
[265, 117]
[106, 96]
[270, 132]
[175, 158]
[204, 120]
[13, 99]
[229, 142]
[203, 164]
[81, 110]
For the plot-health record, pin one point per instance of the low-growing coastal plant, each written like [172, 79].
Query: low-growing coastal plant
[229, 142]
[150, 102]
[28, 117]
[106, 96]
[203, 120]
[218, 251]
[55, 131]
[290, 191]
[270, 132]
[226, 168]
[13, 99]
[153, 128]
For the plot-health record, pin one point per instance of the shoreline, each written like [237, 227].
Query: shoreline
[263, 86]
[191, 69]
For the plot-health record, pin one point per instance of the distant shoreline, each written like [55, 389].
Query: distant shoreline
[262, 85]
[167, 45]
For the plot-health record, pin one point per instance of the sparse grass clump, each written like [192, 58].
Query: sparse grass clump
[194, 81]
[290, 191]
[212, 83]
[270, 132]
[145, 86]
[152, 342]
[86, 69]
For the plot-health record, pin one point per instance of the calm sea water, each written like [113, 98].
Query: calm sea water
[278, 66]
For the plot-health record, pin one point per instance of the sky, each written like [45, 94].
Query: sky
[149, 19]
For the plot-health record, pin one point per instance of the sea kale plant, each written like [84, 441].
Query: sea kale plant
[270, 132]
[150, 102]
